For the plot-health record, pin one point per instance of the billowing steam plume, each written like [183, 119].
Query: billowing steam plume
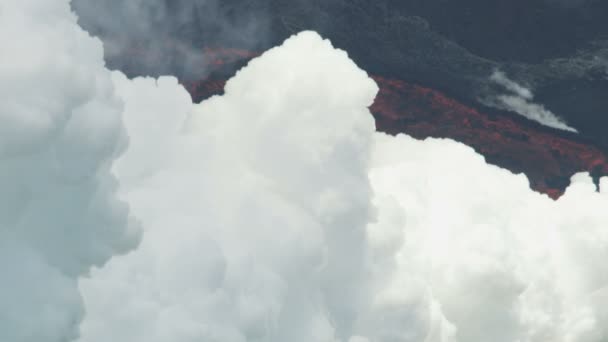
[60, 128]
[271, 213]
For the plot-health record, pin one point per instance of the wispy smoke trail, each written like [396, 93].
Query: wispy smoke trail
[519, 99]
[158, 37]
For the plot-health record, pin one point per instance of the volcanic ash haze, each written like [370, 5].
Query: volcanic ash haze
[272, 213]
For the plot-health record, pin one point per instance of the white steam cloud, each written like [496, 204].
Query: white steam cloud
[60, 128]
[271, 213]
[503, 263]
[255, 215]
[520, 101]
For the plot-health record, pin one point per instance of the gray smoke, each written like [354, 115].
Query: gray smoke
[157, 37]
[519, 99]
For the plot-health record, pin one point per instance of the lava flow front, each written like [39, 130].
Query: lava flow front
[548, 157]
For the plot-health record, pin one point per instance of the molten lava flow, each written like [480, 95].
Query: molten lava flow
[548, 157]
